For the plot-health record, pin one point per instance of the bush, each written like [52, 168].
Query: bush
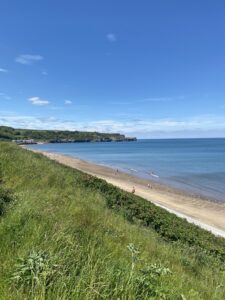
[6, 198]
[148, 282]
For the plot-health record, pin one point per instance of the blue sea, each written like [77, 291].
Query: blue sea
[193, 165]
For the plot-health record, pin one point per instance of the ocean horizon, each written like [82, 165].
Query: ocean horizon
[195, 165]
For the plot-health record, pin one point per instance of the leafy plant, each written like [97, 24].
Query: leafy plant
[134, 255]
[148, 281]
[36, 269]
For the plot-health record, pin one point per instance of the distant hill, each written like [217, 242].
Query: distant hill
[58, 136]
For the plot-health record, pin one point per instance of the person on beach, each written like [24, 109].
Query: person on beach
[149, 186]
[133, 190]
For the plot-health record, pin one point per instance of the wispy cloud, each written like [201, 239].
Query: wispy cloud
[150, 99]
[157, 99]
[28, 59]
[111, 37]
[38, 101]
[120, 102]
[57, 107]
[44, 73]
[68, 102]
[201, 126]
[162, 99]
[5, 96]
[2, 70]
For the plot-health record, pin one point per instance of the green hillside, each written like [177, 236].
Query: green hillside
[67, 235]
[9, 133]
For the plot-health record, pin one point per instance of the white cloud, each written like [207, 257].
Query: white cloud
[150, 99]
[201, 126]
[5, 96]
[38, 101]
[68, 102]
[111, 37]
[3, 70]
[28, 59]
[44, 73]
[162, 99]
[157, 99]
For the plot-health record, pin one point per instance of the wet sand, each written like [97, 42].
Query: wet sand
[198, 210]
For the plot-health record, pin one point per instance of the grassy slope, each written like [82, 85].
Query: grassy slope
[87, 241]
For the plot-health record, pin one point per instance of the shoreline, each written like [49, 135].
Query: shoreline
[158, 182]
[201, 211]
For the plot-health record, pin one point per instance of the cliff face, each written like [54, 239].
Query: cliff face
[55, 136]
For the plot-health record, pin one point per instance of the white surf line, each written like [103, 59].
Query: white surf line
[214, 230]
[152, 174]
[132, 170]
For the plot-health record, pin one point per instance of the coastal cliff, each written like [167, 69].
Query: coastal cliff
[30, 136]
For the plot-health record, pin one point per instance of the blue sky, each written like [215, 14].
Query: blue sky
[145, 68]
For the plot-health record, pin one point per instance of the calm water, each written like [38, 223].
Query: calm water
[196, 165]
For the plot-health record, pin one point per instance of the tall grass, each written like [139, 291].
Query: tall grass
[59, 240]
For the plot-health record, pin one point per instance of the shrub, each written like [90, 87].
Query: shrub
[6, 197]
[34, 270]
[148, 282]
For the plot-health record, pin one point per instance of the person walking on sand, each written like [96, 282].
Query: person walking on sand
[133, 190]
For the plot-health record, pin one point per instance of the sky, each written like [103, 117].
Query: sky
[147, 68]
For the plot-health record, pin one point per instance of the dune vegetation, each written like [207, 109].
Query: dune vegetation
[67, 235]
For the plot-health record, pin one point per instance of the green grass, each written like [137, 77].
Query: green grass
[66, 235]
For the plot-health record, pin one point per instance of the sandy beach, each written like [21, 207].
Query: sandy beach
[200, 211]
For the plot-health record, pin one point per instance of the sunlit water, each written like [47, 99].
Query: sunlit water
[195, 165]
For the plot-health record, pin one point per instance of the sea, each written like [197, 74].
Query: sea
[193, 165]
